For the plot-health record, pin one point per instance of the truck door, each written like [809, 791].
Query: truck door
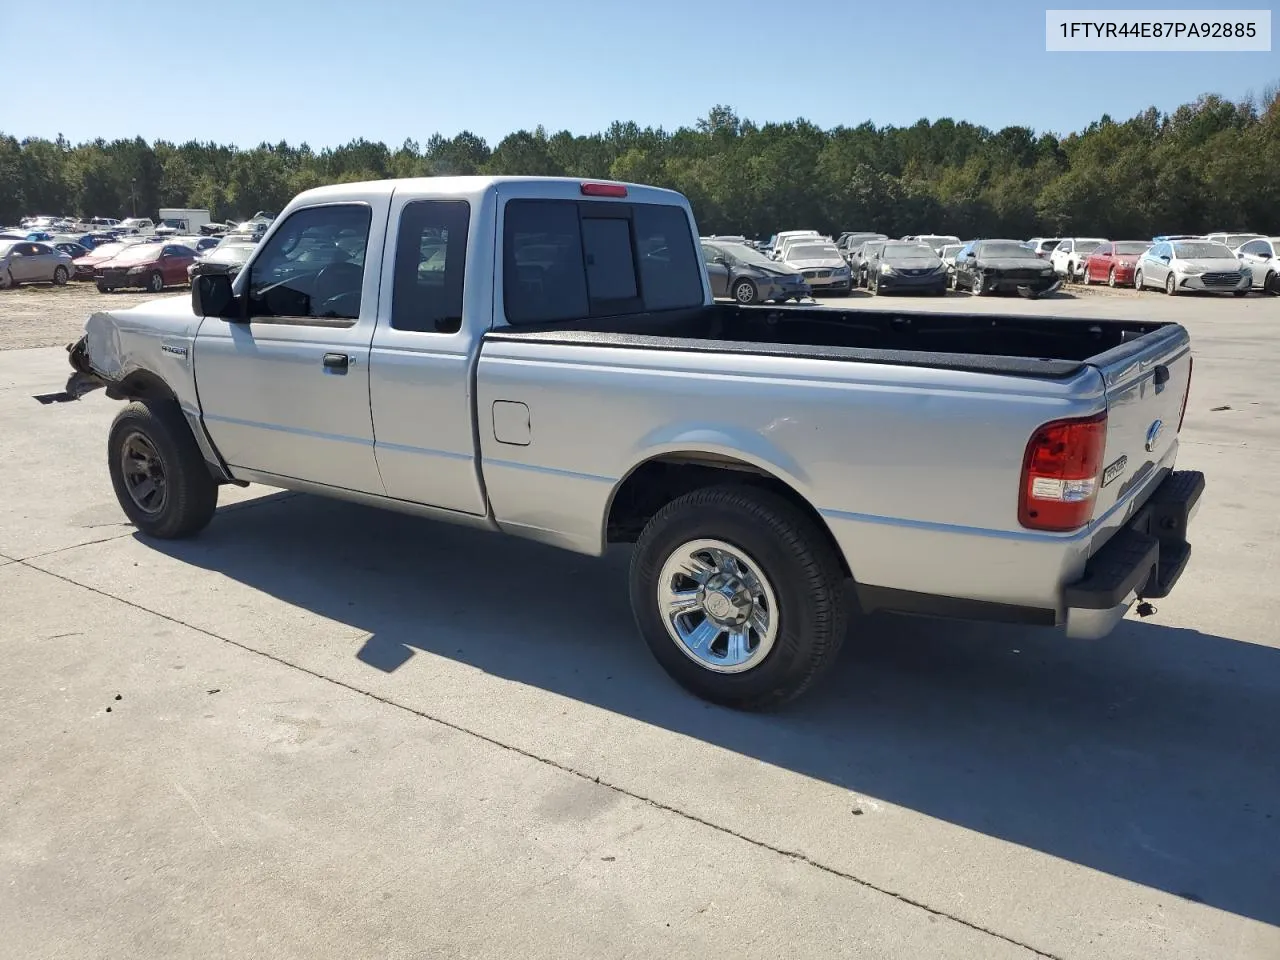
[420, 362]
[286, 393]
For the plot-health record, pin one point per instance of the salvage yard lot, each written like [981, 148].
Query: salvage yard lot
[347, 733]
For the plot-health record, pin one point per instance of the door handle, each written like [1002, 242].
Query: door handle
[336, 361]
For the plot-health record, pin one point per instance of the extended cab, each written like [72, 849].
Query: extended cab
[543, 357]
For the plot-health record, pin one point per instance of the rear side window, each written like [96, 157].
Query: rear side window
[431, 251]
[565, 260]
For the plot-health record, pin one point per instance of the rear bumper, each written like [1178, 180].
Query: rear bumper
[1142, 560]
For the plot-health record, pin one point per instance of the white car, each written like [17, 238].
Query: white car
[936, 241]
[1042, 247]
[1069, 255]
[1234, 240]
[139, 226]
[784, 236]
[1183, 266]
[1262, 257]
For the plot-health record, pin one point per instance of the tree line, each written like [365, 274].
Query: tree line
[1209, 165]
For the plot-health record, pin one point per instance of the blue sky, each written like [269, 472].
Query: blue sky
[325, 72]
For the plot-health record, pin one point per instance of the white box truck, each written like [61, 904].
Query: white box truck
[187, 223]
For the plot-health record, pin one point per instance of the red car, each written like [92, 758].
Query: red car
[153, 266]
[1113, 262]
[84, 266]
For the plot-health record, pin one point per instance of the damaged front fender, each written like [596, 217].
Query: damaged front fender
[84, 379]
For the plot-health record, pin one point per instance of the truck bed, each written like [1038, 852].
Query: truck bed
[1038, 346]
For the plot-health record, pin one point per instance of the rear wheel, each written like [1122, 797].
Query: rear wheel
[160, 478]
[59, 276]
[739, 595]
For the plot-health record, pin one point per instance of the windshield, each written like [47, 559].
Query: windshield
[950, 249]
[1006, 248]
[750, 256]
[1087, 246]
[138, 252]
[107, 249]
[1131, 248]
[1234, 240]
[1203, 249]
[230, 252]
[813, 251]
[910, 251]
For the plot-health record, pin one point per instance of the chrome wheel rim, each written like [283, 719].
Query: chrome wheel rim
[144, 475]
[718, 606]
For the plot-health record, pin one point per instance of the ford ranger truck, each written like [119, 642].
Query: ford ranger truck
[543, 357]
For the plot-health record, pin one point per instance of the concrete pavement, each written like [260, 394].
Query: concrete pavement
[428, 741]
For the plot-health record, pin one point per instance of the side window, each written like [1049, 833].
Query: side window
[709, 253]
[1103, 250]
[431, 251]
[1065, 246]
[313, 266]
[1255, 246]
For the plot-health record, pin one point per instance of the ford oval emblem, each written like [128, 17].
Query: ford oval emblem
[1153, 434]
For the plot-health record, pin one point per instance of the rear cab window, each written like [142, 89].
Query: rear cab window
[573, 259]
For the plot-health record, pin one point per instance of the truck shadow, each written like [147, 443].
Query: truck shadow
[1150, 756]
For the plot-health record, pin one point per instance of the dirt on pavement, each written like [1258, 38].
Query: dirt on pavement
[42, 315]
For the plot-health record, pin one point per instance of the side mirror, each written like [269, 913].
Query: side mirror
[1164, 257]
[211, 296]
[721, 260]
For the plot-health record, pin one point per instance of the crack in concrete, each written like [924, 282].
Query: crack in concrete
[564, 768]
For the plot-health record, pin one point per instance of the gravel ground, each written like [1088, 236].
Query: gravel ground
[41, 315]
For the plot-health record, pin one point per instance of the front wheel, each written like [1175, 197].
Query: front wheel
[1111, 277]
[1137, 281]
[1239, 293]
[1271, 284]
[160, 477]
[1170, 285]
[60, 276]
[1085, 278]
[979, 288]
[740, 596]
[155, 283]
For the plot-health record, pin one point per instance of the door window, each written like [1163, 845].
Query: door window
[431, 251]
[313, 265]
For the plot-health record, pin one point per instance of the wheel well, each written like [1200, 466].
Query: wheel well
[141, 385]
[657, 482]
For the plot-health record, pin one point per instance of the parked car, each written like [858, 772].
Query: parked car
[1002, 266]
[152, 266]
[935, 241]
[85, 265]
[780, 252]
[948, 255]
[906, 267]
[1114, 262]
[748, 276]
[766, 472]
[1176, 236]
[72, 250]
[846, 243]
[22, 261]
[1262, 257]
[862, 255]
[227, 257]
[1180, 266]
[780, 239]
[1042, 247]
[1069, 255]
[821, 266]
[1233, 241]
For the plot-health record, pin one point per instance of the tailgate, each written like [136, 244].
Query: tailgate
[1146, 385]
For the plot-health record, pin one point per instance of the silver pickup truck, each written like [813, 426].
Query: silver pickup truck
[543, 357]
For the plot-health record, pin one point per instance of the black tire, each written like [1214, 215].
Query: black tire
[155, 282]
[59, 276]
[792, 553]
[1170, 286]
[103, 288]
[1239, 293]
[979, 287]
[1271, 283]
[6, 281]
[1137, 281]
[189, 493]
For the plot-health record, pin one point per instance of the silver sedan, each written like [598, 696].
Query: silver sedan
[1181, 266]
[23, 261]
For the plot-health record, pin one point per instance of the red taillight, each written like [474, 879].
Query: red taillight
[1191, 365]
[1060, 473]
[604, 190]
